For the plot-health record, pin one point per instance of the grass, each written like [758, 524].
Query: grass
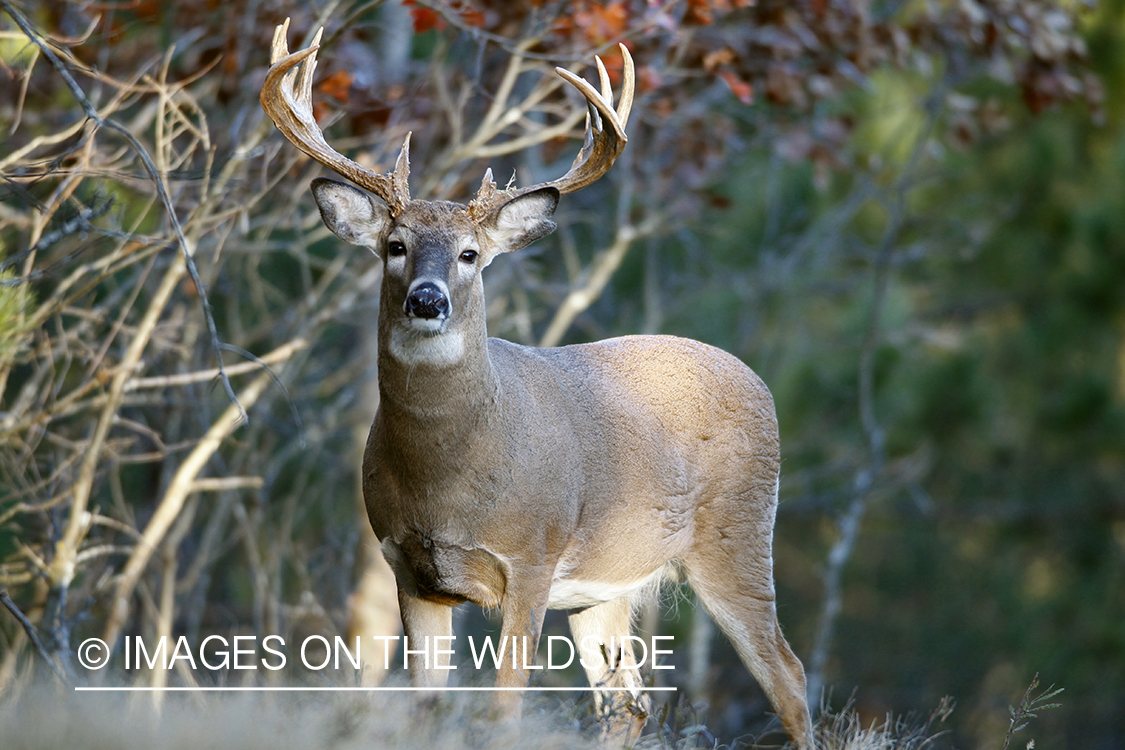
[47, 717]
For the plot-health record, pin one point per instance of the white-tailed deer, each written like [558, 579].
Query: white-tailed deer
[568, 478]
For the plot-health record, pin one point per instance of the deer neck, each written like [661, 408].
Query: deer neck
[441, 378]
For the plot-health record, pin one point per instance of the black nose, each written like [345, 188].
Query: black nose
[427, 301]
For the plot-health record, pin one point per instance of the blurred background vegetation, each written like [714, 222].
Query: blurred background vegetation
[907, 216]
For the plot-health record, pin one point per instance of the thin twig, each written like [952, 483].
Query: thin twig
[222, 484]
[32, 633]
[280, 354]
[170, 506]
[150, 167]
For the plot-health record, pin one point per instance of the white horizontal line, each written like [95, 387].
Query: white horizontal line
[364, 689]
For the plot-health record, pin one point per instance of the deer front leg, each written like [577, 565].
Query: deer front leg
[428, 628]
[522, 610]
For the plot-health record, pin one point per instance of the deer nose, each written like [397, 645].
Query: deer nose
[427, 301]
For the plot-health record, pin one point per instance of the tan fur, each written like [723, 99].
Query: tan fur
[523, 478]
[573, 477]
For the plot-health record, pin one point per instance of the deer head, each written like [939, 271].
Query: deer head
[433, 252]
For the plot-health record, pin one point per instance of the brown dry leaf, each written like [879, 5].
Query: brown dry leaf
[713, 60]
[699, 12]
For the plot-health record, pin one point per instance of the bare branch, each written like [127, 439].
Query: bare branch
[170, 505]
[32, 633]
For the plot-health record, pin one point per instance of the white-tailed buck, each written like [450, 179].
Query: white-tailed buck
[571, 478]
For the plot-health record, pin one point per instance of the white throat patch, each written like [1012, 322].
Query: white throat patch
[415, 347]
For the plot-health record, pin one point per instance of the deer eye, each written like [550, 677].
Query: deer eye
[469, 256]
[396, 249]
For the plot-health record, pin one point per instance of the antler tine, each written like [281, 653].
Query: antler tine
[279, 48]
[303, 84]
[603, 78]
[287, 99]
[628, 87]
[605, 126]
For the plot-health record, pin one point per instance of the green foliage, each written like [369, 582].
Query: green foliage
[1022, 714]
[15, 329]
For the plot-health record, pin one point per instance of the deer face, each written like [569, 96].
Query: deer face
[433, 254]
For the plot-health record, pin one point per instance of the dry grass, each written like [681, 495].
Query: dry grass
[844, 730]
[50, 720]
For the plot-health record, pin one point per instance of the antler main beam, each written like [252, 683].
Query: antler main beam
[287, 99]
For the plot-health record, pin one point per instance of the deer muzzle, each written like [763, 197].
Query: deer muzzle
[427, 301]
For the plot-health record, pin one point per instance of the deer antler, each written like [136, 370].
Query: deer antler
[602, 144]
[287, 99]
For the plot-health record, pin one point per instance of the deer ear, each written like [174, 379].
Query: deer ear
[351, 214]
[522, 220]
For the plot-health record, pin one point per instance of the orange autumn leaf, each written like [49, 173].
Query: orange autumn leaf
[336, 86]
[699, 12]
[740, 88]
[425, 18]
[702, 12]
[602, 23]
[471, 17]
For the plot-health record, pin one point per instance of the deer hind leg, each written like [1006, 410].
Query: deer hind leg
[609, 662]
[743, 607]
